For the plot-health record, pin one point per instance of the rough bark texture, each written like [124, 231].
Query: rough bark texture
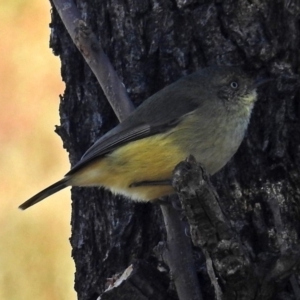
[151, 43]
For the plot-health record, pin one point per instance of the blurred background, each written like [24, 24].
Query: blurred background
[35, 254]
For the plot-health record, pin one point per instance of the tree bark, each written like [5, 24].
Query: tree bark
[151, 43]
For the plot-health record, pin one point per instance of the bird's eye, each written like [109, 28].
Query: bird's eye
[234, 85]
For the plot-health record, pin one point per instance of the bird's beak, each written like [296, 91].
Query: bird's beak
[259, 82]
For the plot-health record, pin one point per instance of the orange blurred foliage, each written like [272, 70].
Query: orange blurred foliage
[35, 254]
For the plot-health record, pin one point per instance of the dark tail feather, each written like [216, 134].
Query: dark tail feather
[57, 186]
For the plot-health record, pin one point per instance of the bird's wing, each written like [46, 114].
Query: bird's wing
[108, 143]
[157, 114]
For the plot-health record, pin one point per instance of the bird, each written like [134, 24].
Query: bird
[204, 114]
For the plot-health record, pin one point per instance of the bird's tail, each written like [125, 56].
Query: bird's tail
[57, 186]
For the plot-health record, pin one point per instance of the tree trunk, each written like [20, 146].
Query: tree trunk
[151, 43]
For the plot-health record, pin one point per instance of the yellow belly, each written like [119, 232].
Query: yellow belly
[148, 159]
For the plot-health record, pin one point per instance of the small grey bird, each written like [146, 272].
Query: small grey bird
[204, 114]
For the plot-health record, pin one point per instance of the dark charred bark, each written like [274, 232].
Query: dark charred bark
[249, 248]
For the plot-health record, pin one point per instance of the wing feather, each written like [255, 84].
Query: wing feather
[108, 144]
[150, 118]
